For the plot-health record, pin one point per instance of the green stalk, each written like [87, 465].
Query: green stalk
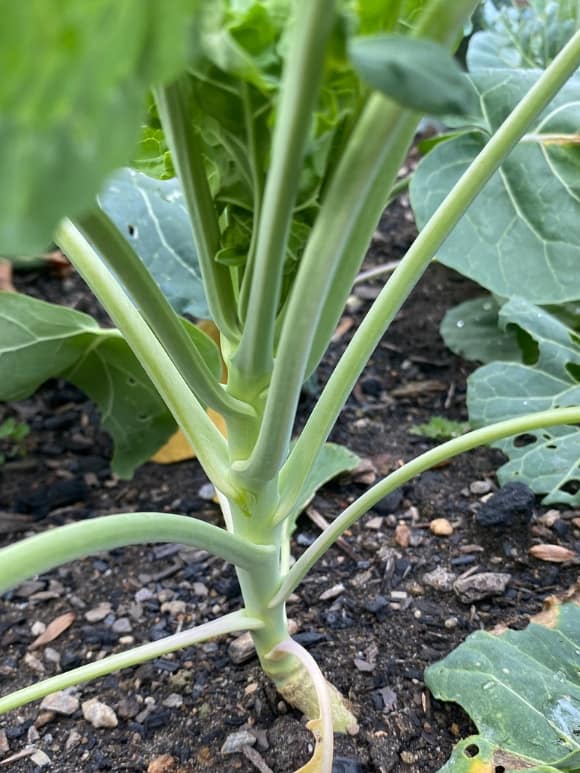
[404, 278]
[357, 195]
[45, 551]
[173, 103]
[232, 623]
[156, 310]
[426, 461]
[252, 363]
[205, 439]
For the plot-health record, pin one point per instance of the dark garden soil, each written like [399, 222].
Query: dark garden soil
[366, 613]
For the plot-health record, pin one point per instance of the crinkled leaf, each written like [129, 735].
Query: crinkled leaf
[39, 341]
[522, 36]
[547, 460]
[520, 236]
[152, 214]
[419, 74]
[471, 330]
[522, 690]
[72, 95]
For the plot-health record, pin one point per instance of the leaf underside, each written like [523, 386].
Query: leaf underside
[522, 690]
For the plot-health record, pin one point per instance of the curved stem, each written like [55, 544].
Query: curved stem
[178, 125]
[443, 452]
[235, 621]
[206, 440]
[118, 254]
[42, 552]
[404, 278]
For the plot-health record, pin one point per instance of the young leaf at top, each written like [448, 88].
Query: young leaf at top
[39, 341]
[71, 108]
[520, 236]
[547, 460]
[418, 74]
[522, 690]
[152, 216]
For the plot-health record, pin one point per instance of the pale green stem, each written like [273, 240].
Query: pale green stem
[252, 363]
[232, 623]
[174, 106]
[206, 440]
[156, 310]
[45, 551]
[404, 278]
[431, 458]
[350, 211]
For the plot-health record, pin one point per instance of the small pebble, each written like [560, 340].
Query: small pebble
[402, 535]
[4, 745]
[73, 740]
[174, 608]
[173, 701]
[440, 579]
[480, 487]
[122, 625]
[235, 741]
[99, 714]
[332, 593]
[480, 586]
[98, 613]
[40, 758]
[62, 702]
[163, 764]
[451, 623]
[441, 527]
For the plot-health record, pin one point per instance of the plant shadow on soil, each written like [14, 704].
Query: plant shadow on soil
[373, 634]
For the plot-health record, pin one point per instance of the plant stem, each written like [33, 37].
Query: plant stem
[43, 552]
[156, 310]
[235, 621]
[431, 458]
[404, 278]
[173, 104]
[252, 363]
[205, 439]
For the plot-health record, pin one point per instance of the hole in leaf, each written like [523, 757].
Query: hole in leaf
[528, 345]
[131, 381]
[472, 750]
[143, 417]
[524, 440]
[573, 369]
[571, 486]
[552, 447]
[132, 230]
[499, 769]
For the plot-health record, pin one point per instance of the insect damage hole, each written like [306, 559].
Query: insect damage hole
[472, 750]
[133, 231]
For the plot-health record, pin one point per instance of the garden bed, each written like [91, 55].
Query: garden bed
[366, 612]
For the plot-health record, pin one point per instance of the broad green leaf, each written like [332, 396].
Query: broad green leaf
[72, 95]
[153, 217]
[39, 341]
[419, 74]
[523, 36]
[332, 460]
[522, 690]
[471, 330]
[440, 428]
[547, 460]
[520, 236]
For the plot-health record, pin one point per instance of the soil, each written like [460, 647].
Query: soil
[365, 612]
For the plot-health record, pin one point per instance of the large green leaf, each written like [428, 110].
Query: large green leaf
[419, 74]
[528, 35]
[152, 215]
[522, 690]
[72, 96]
[471, 330]
[39, 341]
[520, 236]
[548, 460]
